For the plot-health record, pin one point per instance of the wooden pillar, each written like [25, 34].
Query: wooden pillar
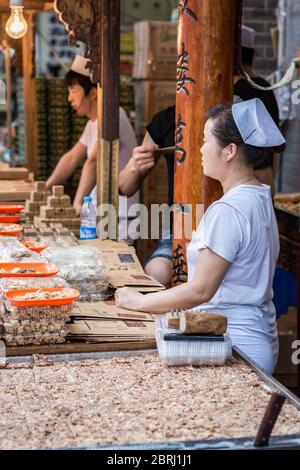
[108, 106]
[7, 53]
[206, 32]
[28, 48]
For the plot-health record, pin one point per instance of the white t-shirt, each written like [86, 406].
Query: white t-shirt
[241, 227]
[89, 139]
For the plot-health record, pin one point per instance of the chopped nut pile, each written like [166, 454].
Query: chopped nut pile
[42, 295]
[134, 399]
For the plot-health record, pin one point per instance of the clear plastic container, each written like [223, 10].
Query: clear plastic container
[36, 339]
[190, 352]
[92, 290]
[77, 263]
[11, 283]
[33, 326]
[15, 252]
[34, 313]
[88, 219]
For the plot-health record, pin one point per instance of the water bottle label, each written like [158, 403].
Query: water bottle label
[87, 233]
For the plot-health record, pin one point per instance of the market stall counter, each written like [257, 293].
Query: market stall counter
[134, 401]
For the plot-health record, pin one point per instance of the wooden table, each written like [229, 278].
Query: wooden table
[79, 347]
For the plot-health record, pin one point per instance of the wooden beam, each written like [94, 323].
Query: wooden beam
[28, 45]
[206, 32]
[108, 105]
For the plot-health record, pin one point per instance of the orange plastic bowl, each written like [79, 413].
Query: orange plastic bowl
[35, 246]
[12, 297]
[10, 209]
[11, 229]
[40, 269]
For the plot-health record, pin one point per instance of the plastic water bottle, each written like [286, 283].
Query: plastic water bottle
[88, 219]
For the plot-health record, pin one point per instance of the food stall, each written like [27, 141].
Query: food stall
[58, 345]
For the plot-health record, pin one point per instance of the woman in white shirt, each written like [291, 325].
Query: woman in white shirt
[232, 255]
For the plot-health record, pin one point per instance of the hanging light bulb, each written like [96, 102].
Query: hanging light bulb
[16, 26]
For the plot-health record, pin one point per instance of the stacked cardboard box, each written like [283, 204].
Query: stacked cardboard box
[126, 52]
[21, 144]
[155, 50]
[58, 121]
[42, 128]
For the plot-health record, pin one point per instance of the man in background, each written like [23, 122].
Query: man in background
[82, 95]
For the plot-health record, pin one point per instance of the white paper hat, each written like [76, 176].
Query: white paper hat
[79, 65]
[248, 37]
[256, 125]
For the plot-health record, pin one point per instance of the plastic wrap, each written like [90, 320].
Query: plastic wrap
[36, 339]
[31, 327]
[27, 313]
[9, 284]
[77, 263]
[189, 351]
[16, 252]
[92, 290]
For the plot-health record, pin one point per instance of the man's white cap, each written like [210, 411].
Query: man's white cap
[79, 65]
[248, 37]
[256, 125]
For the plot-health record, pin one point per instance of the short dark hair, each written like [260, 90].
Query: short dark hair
[247, 54]
[226, 131]
[74, 78]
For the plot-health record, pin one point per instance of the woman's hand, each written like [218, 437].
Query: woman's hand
[129, 298]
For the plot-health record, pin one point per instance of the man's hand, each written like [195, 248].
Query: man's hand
[78, 207]
[129, 298]
[143, 159]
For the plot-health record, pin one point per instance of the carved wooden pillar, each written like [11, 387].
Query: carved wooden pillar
[108, 106]
[28, 48]
[206, 32]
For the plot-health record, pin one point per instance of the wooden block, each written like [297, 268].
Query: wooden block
[62, 230]
[14, 173]
[65, 200]
[46, 194]
[60, 211]
[58, 191]
[47, 212]
[44, 230]
[53, 201]
[40, 186]
[75, 223]
[36, 196]
[31, 206]
[202, 322]
[70, 212]
[173, 319]
[27, 207]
